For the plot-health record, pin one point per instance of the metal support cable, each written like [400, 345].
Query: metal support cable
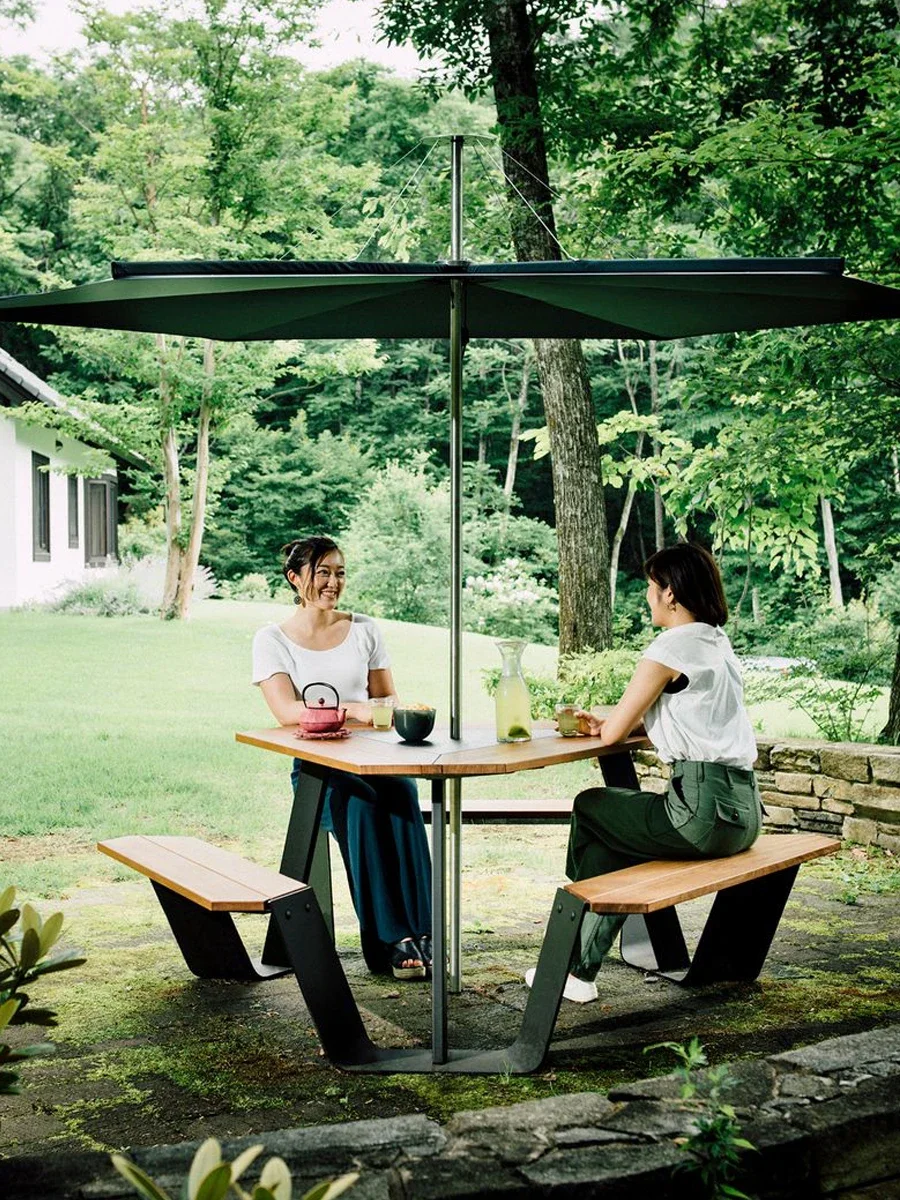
[396, 200]
[320, 228]
[533, 212]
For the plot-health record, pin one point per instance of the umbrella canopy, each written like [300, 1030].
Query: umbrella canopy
[656, 298]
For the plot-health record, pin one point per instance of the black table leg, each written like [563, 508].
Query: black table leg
[438, 923]
[305, 854]
[618, 771]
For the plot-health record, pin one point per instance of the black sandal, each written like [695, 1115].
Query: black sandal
[425, 951]
[403, 952]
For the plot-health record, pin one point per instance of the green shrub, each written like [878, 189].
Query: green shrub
[112, 595]
[254, 586]
[398, 547]
[839, 710]
[592, 678]
[129, 590]
[25, 943]
[510, 602]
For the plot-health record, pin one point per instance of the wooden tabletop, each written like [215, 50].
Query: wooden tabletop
[371, 752]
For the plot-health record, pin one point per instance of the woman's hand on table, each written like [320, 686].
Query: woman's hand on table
[359, 711]
[589, 725]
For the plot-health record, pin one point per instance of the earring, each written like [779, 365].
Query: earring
[297, 599]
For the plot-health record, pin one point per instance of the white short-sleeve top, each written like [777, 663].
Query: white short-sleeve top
[345, 666]
[706, 720]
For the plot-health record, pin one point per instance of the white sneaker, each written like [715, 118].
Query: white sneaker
[579, 991]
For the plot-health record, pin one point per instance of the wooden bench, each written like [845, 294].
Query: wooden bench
[751, 890]
[199, 886]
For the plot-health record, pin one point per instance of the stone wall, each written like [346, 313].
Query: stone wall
[848, 789]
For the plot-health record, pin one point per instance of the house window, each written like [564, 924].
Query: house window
[40, 507]
[100, 522]
[73, 512]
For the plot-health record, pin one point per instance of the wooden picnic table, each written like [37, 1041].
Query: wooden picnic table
[444, 761]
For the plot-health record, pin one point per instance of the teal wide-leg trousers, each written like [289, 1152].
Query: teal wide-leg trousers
[708, 811]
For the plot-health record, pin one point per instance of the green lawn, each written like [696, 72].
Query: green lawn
[114, 726]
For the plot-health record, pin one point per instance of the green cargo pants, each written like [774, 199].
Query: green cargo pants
[708, 811]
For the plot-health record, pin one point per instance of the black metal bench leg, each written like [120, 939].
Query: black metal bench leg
[654, 942]
[542, 1008]
[305, 854]
[209, 941]
[307, 941]
[740, 928]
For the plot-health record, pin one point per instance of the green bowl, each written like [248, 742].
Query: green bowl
[414, 724]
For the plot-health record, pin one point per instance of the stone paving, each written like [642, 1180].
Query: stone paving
[149, 1055]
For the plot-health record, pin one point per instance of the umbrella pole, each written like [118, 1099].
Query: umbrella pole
[457, 300]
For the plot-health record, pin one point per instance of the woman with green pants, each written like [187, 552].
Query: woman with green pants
[687, 691]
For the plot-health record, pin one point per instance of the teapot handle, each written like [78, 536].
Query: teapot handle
[337, 699]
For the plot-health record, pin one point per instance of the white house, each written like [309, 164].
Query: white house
[54, 528]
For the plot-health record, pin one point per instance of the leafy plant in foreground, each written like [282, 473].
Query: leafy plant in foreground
[210, 1178]
[23, 960]
[715, 1145]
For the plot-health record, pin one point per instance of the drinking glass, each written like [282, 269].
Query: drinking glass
[566, 720]
[382, 711]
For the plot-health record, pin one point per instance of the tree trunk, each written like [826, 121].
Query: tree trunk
[659, 530]
[834, 574]
[518, 407]
[172, 483]
[756, 606]
[617, 541]
[891, 731]
[584, 616]
[191, 556]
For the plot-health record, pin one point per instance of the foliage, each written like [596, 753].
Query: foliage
[839, 710]
[841, 662]
[24, 960]
[715, 1145]
[254, 586]
[589, 679]
[132, 589]
[510, 602]
[210, 1178]
[397, 545]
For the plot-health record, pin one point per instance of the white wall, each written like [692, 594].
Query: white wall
[8, 513]
[21, 578]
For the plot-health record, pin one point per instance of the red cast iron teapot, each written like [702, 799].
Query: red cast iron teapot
[318, 717]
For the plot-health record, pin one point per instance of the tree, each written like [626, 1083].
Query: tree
[203, 154]
[497, 42]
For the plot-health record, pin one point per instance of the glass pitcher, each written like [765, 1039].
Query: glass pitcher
[512, 698]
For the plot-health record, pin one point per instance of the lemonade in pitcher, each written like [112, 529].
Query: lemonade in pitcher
[512, 698]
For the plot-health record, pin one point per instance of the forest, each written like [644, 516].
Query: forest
[632, 129]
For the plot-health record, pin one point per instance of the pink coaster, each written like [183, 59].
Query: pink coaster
[335, 735]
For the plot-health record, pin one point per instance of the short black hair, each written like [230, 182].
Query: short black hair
[306, 552]
[692, 574]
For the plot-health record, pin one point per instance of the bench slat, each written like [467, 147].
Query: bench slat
[215, 879]
[651, 886]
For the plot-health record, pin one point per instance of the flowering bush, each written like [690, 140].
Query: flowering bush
[511, 602]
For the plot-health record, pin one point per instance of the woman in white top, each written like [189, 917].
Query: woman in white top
[376, 821]
[687, 691]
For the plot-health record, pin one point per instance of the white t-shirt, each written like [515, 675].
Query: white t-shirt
[706, 721]
[345, 666]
